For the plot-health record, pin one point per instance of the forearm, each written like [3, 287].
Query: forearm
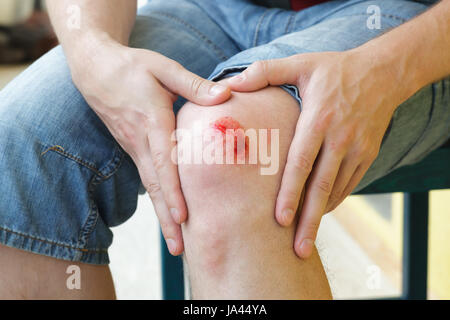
[417, 53]
[99, 20]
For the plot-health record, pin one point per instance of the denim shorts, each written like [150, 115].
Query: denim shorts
[64, 179]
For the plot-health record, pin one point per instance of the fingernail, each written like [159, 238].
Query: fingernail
[171, 245]
[306, 248]
[288, 213]
[217, 89]
[175, 214]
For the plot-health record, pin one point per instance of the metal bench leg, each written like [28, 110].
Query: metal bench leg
[415, 245]
[172, 274]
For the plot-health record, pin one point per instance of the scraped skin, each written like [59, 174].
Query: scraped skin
[226, 123]
[233, 136]
[234, 248]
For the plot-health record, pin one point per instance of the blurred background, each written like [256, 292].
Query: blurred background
[360, 242]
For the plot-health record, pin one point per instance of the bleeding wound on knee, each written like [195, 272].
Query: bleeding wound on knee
[225, 142]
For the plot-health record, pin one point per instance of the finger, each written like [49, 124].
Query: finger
[160, 127]
[274, 72]
[355, 179]
[318, 191]
[303, 151]
[170, 229]
[189, 85]
[346, 171]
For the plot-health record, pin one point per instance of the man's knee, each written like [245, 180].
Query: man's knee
[226, 200]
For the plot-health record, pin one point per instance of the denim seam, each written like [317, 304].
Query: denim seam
[50, 241]
[289, 24]
[391, 16]
[326, 18]
[258, 26]
[215, 47]
[92, 218]
[62, 152]
[59, 150]
[112, 166]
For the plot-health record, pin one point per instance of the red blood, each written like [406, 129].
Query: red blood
[228, 123]
[224, 123]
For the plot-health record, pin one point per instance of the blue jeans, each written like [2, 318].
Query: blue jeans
[64, 179]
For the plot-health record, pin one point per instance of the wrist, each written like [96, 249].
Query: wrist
[394, 70]
[90, 51]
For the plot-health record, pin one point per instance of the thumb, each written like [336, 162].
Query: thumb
[187, 84]
[265, 73]
[199, 90]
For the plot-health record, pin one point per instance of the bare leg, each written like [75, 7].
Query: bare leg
[25, 275]
[234, 247]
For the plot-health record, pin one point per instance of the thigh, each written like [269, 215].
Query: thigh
[29, 276]
[65, 180]
[418, 126]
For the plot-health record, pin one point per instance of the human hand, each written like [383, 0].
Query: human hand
[348, 100]
[133, 91]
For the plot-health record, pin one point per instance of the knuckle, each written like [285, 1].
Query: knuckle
[178, 66]
[337, 147]
[165, 227]
[318, 127]
[332, 206]
[291, 194]
[152, 120]
[312, 227]
[338, 202]
[168, 229]
[365, 144]
[334, 197]
[158, 160]
[302, 163]
[351, 131]
[366, 151]
[324, 118]
[259, 65]
[360, 152]
[346, 139]
[153, 189]
[196, 85]
[262, 66]
[373, 154]
[324, 186]
[125, 133]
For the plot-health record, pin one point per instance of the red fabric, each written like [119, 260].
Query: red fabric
[298, 5]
